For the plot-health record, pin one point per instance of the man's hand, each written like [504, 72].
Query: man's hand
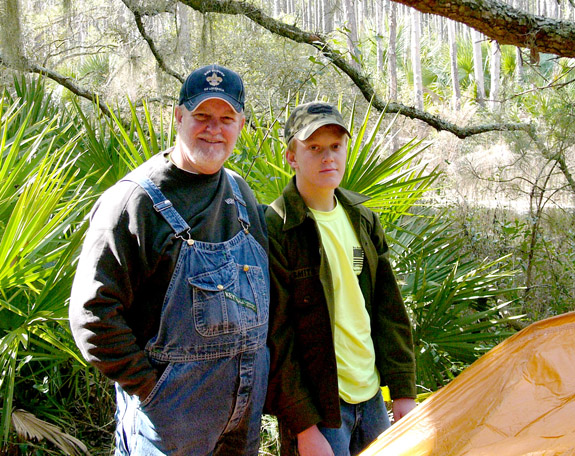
[311, 442]
[401, 407]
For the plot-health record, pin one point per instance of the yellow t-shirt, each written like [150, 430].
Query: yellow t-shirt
[358, 378]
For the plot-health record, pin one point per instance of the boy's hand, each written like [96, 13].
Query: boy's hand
[311, 442]
[401, 407]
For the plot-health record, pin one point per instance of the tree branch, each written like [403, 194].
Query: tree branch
[64, 81]
[138, 17]
[235, 7]
[557, 157]
[505, 24]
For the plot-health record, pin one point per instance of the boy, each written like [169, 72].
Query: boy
[339, 328]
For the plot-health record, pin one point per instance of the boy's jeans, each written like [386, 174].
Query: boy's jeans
[361, 424]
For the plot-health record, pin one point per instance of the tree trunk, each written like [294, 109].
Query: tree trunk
[518, 66]
[416, 59]
[360, 16]
[352, 39]
[329, 12]
[454, 67]
[478, 67]
[379, 38]
[392, 52]
[518, 57]
[536, 205]
[11, 34]
[184, 42]
[495, 66]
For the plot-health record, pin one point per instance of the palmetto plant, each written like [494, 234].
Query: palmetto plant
[110, 148]
[394, 179]
[259, 157]
[54, 164]
[42, 206]
[455, 303]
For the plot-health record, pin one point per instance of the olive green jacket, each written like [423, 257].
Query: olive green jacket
[303, 386]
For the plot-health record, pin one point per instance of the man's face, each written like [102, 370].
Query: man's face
[206, 136]
[319, 161]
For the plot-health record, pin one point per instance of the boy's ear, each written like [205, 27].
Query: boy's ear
[291, 159]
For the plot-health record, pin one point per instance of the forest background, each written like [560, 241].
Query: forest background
[463, 122]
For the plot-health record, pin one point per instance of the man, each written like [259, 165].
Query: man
[171, 295]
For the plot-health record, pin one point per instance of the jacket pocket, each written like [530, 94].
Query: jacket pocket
[306, 286]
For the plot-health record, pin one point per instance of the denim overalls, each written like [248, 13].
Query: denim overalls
[211, 345]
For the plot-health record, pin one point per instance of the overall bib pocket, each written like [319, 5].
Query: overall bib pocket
[229, 300]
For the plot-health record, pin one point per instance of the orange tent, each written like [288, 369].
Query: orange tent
[516, 400]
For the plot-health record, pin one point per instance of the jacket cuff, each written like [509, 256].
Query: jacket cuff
[299, 416]
[401, 385]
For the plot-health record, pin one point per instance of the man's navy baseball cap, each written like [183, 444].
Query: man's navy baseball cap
[213, 81]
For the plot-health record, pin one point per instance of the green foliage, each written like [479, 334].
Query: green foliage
[269, 436]
[95, 68]
[508, 61]
[465, 63]
[41, 210]
[110, 149]
[541, 251]
[494, 233]
[259, 158]
[394, 182]
[454, 300]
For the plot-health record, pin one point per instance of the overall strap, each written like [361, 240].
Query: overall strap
[239, 200]
[161, 204]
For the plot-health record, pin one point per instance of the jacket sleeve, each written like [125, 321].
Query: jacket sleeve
[102, 290]
[393, 337]
[288, 398]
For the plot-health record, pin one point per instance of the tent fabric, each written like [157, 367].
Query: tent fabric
[518, 399]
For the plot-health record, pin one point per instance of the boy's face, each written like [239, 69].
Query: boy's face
[319, 161]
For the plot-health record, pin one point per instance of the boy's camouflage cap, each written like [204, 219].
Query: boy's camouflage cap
[307, 118]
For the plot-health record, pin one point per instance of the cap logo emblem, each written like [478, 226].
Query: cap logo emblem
[214, 80]
[320, 109]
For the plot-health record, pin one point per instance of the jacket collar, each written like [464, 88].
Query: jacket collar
[295, 211]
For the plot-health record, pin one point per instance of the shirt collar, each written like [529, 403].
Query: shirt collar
[295, 211]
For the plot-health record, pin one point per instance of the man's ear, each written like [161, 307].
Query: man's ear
[178, 114]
